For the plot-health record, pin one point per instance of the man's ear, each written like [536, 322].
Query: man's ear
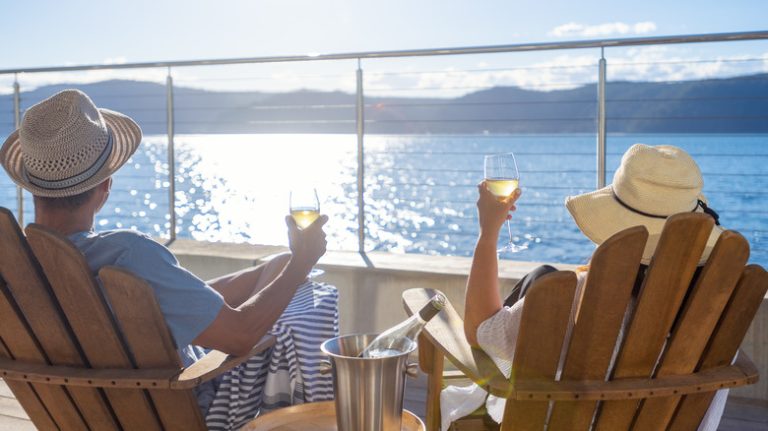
[104, 189]
[105, 186]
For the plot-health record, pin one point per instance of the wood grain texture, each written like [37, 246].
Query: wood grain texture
[143, 326]
[74, 305]
[314, 417]
[672, 267]
[160, 378]
[215, 363]
[47, 404]
[743, 372]
[607, 293]
[431, 362]
[700, 314]
[725, 341]
[44, 337]
[540, 341]
[695, 360]
[81, 300]
[26, 396]
[31, 290]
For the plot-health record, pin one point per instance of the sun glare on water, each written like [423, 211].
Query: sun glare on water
[246, 180]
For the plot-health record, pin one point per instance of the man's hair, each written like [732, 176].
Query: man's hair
[66, 203]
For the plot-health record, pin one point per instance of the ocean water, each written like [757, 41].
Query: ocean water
[420, 191]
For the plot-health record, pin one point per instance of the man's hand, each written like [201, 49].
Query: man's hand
[493, 210]
[307, 245]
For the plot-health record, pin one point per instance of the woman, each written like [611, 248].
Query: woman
[651, 184]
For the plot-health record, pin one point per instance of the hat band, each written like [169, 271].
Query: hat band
[637, 211]
[77, 179]
[699, 203]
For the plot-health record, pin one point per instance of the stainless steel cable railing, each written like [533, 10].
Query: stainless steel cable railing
[364, 114]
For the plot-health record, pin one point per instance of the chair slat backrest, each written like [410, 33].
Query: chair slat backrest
[143, 327]
[22, 345]
[537, 354]
[702, 310]
[606, 295]
[34, 330]
[80, 298]
[666, 282]
[724, 343]
[681, 319]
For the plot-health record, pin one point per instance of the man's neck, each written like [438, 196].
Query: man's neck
[65, 222]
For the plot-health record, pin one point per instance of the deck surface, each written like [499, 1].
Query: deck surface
[740, 414]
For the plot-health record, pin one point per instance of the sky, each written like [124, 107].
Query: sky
[50, 33]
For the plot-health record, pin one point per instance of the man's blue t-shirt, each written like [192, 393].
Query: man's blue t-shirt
[188, 304]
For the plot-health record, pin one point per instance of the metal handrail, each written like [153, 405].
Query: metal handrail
[360, 129]
[490, 49]
[171, 158]
[17, 123]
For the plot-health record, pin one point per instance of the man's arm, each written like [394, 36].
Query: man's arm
[237, 287]
[236, 330]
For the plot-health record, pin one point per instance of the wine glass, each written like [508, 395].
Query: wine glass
[304, 207]
[502, 178]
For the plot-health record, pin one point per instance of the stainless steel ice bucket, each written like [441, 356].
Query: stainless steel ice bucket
[368, 391]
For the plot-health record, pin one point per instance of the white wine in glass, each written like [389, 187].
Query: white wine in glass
[304, 207]
[502, 178]
[304, 216]
[502, 188]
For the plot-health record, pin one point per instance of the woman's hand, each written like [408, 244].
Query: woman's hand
[493, 211]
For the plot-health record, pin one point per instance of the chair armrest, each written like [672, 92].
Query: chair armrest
[205, 369]
[155, 378]
[446, 332]
[741, 373]
[216, 363]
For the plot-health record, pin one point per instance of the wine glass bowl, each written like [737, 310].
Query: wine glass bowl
[304, 206]
[502, 178]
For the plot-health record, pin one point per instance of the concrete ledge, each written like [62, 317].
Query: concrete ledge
[372, 261]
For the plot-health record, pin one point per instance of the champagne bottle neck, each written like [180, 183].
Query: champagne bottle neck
[431, 309]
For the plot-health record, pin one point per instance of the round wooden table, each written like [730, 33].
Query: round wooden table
[315, 417]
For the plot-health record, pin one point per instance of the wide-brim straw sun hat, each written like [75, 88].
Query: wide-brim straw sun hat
[651, 184]
[66, 145]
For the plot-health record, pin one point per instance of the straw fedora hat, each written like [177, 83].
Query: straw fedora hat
[651, 184]
[66, 145]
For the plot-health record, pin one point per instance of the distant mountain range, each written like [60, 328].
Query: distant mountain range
[729, 105]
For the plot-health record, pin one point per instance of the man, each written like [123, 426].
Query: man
[65, 152]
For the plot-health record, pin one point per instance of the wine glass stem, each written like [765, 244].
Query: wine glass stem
[509, 231]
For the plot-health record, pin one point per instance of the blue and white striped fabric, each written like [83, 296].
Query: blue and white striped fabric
[289, 372]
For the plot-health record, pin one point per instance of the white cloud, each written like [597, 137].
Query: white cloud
[115, 60]
[644, 27]
[573, 29]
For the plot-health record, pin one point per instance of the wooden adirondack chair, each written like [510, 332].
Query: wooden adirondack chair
[78, 357]
[694, 349]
